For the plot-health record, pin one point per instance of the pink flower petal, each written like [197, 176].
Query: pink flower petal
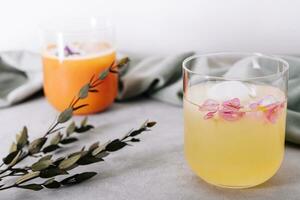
[209, 105]
[233, 104]
[231, 115]
[230, 110]
[272, 111]
[209, 115]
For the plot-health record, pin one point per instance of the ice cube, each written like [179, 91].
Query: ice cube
[227, 90]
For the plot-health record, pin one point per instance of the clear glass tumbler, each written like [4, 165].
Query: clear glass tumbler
[74, 50]
[234, 117]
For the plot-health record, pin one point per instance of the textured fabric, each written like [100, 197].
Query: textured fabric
[293, 115]
[157, 77]
[20, 76]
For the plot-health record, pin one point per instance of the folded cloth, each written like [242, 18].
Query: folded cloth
[157, 77]
[20, 76]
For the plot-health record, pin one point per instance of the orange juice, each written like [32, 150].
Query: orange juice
[239, 150]
[64, 76]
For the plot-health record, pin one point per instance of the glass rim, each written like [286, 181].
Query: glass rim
[270, 57]
[68, 25]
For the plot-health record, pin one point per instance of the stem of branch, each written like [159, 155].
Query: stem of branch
[51, 129]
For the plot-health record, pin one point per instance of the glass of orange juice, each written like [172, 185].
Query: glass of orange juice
[234, 117]
[74, 51]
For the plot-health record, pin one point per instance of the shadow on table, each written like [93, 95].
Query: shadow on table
[36, 95]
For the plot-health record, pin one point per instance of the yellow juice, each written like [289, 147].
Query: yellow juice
[234, 153]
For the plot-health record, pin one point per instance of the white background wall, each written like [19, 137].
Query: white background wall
[162, 26]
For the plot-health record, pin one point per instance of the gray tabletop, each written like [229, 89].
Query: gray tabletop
[152, 169]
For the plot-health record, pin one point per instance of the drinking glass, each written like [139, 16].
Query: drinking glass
[234, 117]
[73, 51]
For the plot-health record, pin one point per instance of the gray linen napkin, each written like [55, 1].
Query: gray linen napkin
[20, 76]
[157, 77]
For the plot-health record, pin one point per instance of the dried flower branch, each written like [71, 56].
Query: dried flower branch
[42, 148]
